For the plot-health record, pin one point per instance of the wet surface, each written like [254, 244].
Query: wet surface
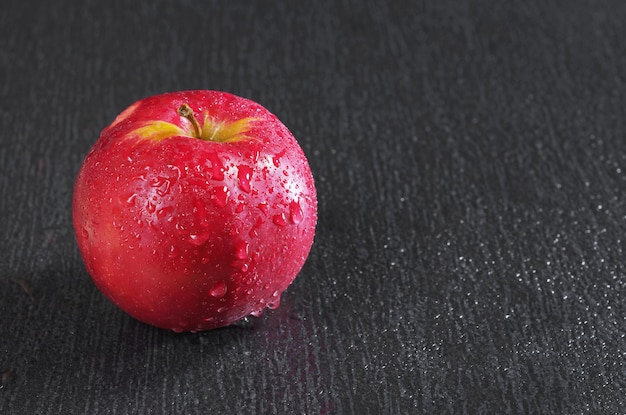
[470, 163]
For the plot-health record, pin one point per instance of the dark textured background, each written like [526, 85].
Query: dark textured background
[470, 159]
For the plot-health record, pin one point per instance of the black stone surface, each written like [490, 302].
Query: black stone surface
[470, 160]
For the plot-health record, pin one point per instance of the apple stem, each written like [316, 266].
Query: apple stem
[186, 111]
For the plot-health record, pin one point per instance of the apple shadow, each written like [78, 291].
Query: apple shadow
[66, 343]
[58, 329]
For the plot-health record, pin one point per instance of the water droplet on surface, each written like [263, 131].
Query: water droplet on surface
[218, 290]
[295, 212]
[257, 313]
[245, 267]
[244, 175]
[150, 207]
[279, 220]
[241, 249]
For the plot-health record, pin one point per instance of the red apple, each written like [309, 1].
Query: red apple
[194, 209]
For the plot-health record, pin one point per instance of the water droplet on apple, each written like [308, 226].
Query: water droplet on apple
[263, 207]
[162, 185]
[277, 157]
[218, 290]
[295, 212]
[254, 231]
[128, 199]
[217, 168]
[279, 220]
[180, 327]
[257, 313]
[85, 233]
[199, 212]
[222, 309]
[273, 305]
[244, 175]
[200, 238]
[244, 268]
[157, 181]
[150, 207]
[173, 251]
[241, 249]
[220, 195]
[164, 211]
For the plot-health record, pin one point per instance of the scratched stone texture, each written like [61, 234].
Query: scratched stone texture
[470, 161]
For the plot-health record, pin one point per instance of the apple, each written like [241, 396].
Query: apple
[194, 209]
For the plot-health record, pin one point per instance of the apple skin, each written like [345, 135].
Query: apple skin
[193, 221]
